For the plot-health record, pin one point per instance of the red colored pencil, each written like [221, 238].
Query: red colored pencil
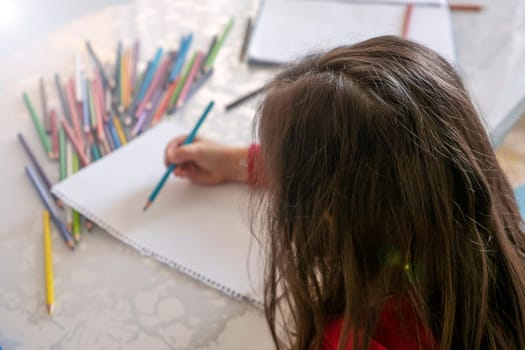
[165, 101]
[465, 7]
[54, 133]
[70, 91]
[98, 112]
[71, 136]
[406, 20]
[189, 80]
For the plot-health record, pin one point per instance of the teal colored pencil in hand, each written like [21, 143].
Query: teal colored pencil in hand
[172, 167]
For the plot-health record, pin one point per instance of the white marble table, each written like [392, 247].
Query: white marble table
[108, 296]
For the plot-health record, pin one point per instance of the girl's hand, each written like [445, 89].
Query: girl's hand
[206, 162]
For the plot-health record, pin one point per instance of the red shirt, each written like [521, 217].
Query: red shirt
[391, 333]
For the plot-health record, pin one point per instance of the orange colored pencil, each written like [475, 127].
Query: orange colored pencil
[124, 77]
[406, 20]
[165, 101]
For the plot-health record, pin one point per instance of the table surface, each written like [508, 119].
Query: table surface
[108, 296]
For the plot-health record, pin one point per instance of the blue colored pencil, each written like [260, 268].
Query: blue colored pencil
[63, 100]
[181, 57]
[172, 167]
[42, 193]
[114, 134]
[85, 103]
[147, 80]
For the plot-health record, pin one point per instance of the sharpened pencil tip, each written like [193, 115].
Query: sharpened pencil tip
[148, 203]
[50, 309]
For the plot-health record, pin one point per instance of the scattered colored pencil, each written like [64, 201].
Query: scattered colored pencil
[165, 101]
[181, 57]
[76, 122]
[117, 98]
[148, 78]
[189, 80]
[79, 71]
[85, 104]
[37, 166]
[243, 99]
[465, 7]
[172, 167]
[62, 157]
[48, 263]
[120, 132]
[176, 93]
[63, 100]
[154, 86]
[54, 133]
[42, 193]
[208, 53]
[105, 79]
[246, 38]
[198, 83]
[45, 112]
[71, 136]
[134, 64]
[406, 20]
[213, 54]
[37, 122]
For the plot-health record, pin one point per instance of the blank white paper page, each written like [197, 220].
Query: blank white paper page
[200, 230]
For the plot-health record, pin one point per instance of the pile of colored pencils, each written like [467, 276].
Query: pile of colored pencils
[103, 108]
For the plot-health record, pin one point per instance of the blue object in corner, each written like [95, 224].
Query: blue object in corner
[520, 199]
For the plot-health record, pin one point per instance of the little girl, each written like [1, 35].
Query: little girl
[390, 223]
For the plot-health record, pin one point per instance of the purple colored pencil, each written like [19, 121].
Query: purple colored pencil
[199, 82]
[146, 114]
[43, 194]
[32, 157]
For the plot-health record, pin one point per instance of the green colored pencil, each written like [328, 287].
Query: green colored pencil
[181, 82]
[62, 153]
[213, 54]
[92, 111]
[38, 126]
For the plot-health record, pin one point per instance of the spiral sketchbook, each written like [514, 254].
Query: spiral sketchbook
[202, 231]
[288, 29]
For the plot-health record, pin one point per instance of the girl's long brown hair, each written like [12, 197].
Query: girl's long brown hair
[383, 185]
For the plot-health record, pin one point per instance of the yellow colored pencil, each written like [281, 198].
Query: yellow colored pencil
[120, 132]
[48, 256]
